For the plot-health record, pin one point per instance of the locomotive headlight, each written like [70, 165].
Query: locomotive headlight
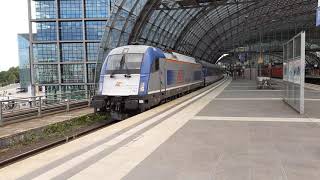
[141, 87]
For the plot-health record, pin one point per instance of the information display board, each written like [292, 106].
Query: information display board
[318, 17]
[294, 71]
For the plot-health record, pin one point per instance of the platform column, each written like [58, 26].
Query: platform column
[68, 104]
[1, 120]
[40, 107]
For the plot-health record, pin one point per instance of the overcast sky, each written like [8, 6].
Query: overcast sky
[14, 20]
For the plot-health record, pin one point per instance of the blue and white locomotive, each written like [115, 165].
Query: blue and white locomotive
[137, 77]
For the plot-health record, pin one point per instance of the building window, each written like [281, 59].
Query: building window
[91, 71]
[95, 29]
[91, 89]
[51, 90]
[46, 31]
[71, 30]
[75, 91]
[72, 52]
[72, 73]
[44, 9]
[97, 8]
[46, 73]
[45, 52]
[92, 51]
[70, 9]
[72, 88]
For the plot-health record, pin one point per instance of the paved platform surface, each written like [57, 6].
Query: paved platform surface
[220, 133]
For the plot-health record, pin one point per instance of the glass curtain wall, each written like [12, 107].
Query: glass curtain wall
[24, 59]
[66, 42]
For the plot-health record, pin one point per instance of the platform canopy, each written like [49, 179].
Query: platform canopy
[207, 29]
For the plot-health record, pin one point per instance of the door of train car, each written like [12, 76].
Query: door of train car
[163, 75]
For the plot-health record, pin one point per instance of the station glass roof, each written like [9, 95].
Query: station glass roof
[207, 29]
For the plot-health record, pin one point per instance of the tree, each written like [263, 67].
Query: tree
[15, 72]
[2, 77]
[10, 76]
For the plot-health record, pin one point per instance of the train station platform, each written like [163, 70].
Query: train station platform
[229, 130]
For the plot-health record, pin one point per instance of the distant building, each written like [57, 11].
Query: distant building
[65, 46]
[24, 61]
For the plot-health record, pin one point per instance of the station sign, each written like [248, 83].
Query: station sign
[318, 17]
[242, 57]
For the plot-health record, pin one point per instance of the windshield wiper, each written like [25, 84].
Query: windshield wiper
[123, 62]
[112, 74]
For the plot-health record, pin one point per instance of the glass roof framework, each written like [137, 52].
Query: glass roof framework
[203, 30]
[234, 24]
[123, 18]
[164, 26]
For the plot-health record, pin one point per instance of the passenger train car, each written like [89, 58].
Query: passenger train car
[211, 72]
[136, 77]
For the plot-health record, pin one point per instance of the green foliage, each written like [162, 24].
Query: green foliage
[62, 129]
[9, 77]
[12, 78]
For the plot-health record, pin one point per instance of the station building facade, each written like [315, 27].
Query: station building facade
[24, 61]
[65, 38]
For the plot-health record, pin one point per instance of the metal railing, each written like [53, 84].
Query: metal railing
[20, 109]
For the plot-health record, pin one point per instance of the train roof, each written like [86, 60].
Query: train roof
[143, 48]
[130, 49]
[207, 64]
[180, 57]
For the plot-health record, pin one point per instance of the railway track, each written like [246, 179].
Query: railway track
[58, 141]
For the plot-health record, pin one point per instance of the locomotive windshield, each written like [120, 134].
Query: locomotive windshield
[124, 62]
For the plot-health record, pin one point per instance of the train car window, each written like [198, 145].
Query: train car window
[155, 66]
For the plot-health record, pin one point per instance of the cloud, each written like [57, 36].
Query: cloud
[14, 20]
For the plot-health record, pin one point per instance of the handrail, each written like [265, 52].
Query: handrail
[53, 95]
[21, 108]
